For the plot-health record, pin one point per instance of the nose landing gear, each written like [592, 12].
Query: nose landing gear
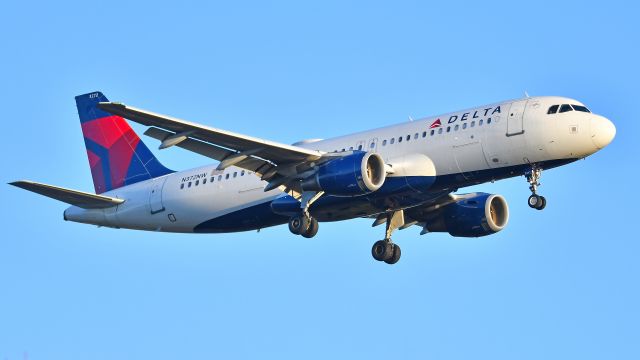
[535, 201]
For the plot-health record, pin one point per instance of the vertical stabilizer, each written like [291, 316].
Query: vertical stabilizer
[117, 156]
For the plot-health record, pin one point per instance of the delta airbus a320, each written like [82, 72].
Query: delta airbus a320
[402, 175]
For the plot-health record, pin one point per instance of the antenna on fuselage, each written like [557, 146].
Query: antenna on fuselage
[410, 118]
[526, 94]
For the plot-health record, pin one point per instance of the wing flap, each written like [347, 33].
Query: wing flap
[74, 197]
[210, 150]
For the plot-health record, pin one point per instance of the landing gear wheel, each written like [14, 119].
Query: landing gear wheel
[382, 250]
[543, 204]
[299, 224]
[396, 255]
[533, 176]
[312, 230]
[537, 202]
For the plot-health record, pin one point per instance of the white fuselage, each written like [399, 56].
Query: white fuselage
[469, 147]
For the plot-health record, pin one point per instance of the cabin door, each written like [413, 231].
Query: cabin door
[515, 118]
[155, 196]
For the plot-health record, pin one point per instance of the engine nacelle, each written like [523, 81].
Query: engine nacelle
[482, 215]
[356, 174]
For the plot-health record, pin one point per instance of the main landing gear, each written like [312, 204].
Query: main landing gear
[303, 223]
[385, 250]
[535, 201]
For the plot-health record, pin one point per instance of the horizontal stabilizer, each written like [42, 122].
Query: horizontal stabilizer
[74, 197]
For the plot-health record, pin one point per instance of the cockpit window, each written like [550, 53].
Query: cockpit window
[580, 108]
[553, 109]
[565, 108]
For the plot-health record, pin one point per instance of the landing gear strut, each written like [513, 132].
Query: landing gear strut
[535, 201]
[385, 250]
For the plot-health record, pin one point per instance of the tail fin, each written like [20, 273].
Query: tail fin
[117, 156]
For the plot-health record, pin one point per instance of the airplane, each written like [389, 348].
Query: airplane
[401, 175]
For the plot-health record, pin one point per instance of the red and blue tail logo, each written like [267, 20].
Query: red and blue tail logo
[117, 156]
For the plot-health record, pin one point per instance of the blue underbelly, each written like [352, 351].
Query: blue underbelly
[396, 193]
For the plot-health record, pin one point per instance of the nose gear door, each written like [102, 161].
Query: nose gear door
[515, 118]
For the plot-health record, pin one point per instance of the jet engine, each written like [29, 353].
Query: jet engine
[480, 215]
[351, 175]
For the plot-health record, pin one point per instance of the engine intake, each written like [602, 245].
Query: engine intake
[356, 174]
[482, 215]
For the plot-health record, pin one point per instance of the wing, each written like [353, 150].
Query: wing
[74, 197]
[264, 157]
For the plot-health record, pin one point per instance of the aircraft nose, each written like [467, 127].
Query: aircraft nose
[602, 131]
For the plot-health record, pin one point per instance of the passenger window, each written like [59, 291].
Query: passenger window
[373, 144]
[212, 178]
[204, 181]
[464, 126]
[384, 142]
[565, 108]
[197, 182]
[400, 139]
[182, 186]
[392, 140]
[227, 177]
[456, 127]
[553, 109]
[408, 137]
[480, 122]
[424, 134]
[433, 132]
[473, 123]
[580, 108]
[242, 172]
[448, 128]
[440, 131]
[415, 136]
[489, 121]
[219, 177]
[189, 184]
[350, 148]
[359, 147]
[235, 173]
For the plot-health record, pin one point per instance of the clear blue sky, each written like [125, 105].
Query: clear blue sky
[557, 284]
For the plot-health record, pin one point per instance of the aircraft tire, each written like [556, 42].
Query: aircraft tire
[382, 250]
[298, 224]
[534, 201]
[543, 203]
[396, 255]
[312, 230]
